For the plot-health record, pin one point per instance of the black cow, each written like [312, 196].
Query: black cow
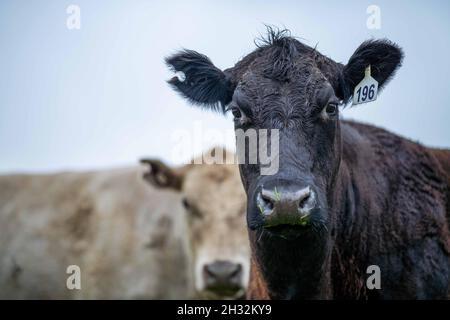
[346, 195]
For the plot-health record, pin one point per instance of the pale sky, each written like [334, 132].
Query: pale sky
[97, 98]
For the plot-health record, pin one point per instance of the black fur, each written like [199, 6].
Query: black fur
[380, 199]
[205, 84]
[384, 57]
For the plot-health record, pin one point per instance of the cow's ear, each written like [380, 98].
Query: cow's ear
[384, 57]
[160, 175]
[199, 81]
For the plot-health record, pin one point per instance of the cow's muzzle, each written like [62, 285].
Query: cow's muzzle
[223, 278]
[286, 205]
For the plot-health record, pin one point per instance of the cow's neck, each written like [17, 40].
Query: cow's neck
[348, 229]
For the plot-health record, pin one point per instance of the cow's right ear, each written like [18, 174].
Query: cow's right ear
[160, 175]
[199, 81]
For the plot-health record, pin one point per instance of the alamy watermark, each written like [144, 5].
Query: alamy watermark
[374, 19]
[73, 281]
[73, 21]
[374, 280]
[262, 146]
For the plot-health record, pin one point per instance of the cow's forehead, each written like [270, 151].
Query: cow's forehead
[210, 174]
[214, 188]
[255, 85]
[283, 61]
[293, 98]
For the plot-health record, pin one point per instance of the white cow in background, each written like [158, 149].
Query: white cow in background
[130, 239]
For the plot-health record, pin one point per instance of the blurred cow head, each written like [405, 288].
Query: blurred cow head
[215, 205]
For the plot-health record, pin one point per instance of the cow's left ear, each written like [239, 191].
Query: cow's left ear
[160, 175]
[384, 57]
[199, 81]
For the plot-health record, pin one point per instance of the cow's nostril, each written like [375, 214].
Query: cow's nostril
[265, 202]
[306, 200]
[268, 203]
[236, 271]
[209, 271]
[303, 201]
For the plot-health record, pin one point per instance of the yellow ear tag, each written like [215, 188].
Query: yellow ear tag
[366, 90]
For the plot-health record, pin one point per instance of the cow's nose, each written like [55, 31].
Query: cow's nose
[224, 277]
[286, 206]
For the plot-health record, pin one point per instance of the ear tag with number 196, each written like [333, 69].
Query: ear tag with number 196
[366, 90]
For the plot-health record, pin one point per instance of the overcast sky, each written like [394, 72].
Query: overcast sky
[97, 97]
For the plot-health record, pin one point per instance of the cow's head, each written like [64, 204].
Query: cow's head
[214, 201]
[288, 86]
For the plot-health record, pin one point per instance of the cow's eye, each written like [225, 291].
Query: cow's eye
[237, 114]
[331, 108]
[240, 117]
[186, 204]
[190, 209]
